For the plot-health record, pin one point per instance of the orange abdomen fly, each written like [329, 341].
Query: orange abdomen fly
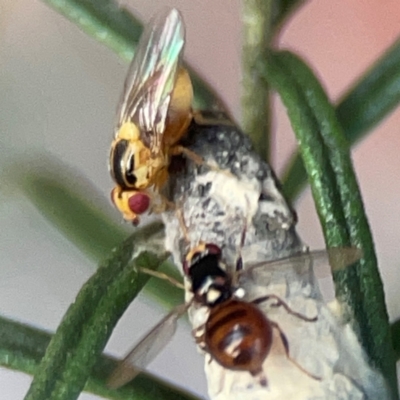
[238, 335]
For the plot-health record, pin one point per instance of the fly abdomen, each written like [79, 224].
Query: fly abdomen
[238, 335]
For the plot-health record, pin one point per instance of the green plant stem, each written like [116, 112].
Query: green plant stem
[113, 25]
[373, 97]
[281, 10]
[255, 92]
[89, 321]
[338, 201]
[261, 23]
[22, 347]
[360, 110]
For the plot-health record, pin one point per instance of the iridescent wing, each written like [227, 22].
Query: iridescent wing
[147, 348]
[151, 77]
[323, 262]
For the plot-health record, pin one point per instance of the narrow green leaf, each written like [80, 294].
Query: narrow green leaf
[294, 177]
[395, 328]
[306, 128]
[281, 11]
[89, 321]
[338, 201]
[360, 110]
[75, 207]
[22, 347]
[373, 97]
[111, 24]
[257, 17]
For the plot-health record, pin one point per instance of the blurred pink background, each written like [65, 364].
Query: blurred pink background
[59, 92]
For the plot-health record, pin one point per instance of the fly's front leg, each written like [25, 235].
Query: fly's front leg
[182, 224]
[199, 336]
[163, 205]
[162, 276]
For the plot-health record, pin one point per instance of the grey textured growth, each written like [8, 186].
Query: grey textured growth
[233, 196]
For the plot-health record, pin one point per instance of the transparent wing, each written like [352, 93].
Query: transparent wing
[323, 262]
[151, 77]
[147, 349]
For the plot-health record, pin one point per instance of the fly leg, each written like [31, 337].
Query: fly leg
[163, 204]
[261, 377]
[191, 155]
[199, 336]
[182, 224]
[281, 303]
[161, 275]
[286, 347]
[198, 160]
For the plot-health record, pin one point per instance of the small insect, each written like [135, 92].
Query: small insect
[154, 114]
[237, 334]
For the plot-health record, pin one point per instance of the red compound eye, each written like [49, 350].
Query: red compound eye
[139, 203]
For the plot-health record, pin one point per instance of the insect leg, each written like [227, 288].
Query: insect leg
[279, 303]
[221, 120]
[178, 149]
[286, 347]
[261, 377]
[182, 224]
[164, 205]
[191, 155]
[195, 333]
[161, 275]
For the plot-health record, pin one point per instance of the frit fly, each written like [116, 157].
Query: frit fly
[237, 334]
[153, 115]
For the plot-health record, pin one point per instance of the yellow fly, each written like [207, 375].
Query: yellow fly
[153, 115]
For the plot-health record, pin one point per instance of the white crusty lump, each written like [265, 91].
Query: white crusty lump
[238, 197]
[325, 348]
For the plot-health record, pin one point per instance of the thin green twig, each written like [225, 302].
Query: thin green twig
[282, 9]
[257, 34]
